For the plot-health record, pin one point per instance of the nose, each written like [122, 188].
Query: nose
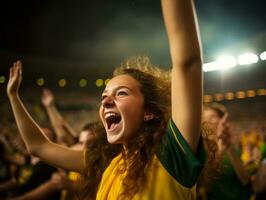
[108, 101]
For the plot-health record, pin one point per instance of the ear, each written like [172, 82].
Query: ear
[148, 116]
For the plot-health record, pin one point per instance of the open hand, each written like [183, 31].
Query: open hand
[47, 97]
[15, 77]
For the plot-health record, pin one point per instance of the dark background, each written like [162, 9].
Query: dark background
[87, 39]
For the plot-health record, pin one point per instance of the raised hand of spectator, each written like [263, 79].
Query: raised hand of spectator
[47, 97]
[15, 77]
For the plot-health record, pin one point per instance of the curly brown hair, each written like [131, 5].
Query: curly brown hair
[155, 85]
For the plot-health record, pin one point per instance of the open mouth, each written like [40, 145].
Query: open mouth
[112, 119]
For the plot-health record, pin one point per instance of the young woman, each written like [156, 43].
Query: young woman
[154, 130]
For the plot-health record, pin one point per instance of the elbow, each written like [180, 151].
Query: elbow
[33, 150]
[193, 62]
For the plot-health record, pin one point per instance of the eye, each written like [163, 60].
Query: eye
[121, 93]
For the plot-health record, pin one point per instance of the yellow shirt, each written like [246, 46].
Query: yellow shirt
[161, 185]
[172, 175]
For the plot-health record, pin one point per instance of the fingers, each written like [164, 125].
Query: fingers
[11, 72]
[15, 70]
[18, 68]
[19, 65]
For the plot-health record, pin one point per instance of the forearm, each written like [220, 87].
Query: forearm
[239, 167]
[186, 80]
[181, 25]
[30, 131]
[62, 129]
[37, 143]
[56, 119]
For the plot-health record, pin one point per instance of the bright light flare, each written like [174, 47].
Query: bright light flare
[62, 82]
[82, 82]
[99, 82]
[263, 55]
[40, 81]
[2, 79]
[227, 62]
[222, 63]
[247, 59]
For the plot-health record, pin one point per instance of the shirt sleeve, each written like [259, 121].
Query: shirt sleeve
[177, 158]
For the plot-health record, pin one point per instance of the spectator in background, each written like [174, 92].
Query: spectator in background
[259, 177]
[31, 175]
[233, 180]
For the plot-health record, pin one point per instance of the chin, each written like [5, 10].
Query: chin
[114, 139]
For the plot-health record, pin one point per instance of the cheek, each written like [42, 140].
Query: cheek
[101, 113]
[134, 109]
[134, 116]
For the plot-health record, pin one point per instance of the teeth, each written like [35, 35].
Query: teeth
[110, 114]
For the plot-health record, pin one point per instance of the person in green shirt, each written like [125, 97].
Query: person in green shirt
[232, 180]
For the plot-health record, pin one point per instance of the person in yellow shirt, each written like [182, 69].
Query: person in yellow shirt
[151, 147]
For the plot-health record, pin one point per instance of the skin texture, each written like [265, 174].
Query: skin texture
[122, 95]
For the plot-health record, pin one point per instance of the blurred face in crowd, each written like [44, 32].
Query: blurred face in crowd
[122, 109]
[211, 116]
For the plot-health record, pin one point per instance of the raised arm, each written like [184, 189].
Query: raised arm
[181, 26]
[63, 130]
[37, 143]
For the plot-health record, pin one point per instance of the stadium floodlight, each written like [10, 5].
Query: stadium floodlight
[211, 66]
[226, 62]
[247, 58]
[222, 63]
[263, 55]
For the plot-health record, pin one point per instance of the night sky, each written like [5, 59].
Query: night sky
[75, 37]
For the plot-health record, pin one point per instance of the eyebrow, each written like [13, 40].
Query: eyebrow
[117, 88]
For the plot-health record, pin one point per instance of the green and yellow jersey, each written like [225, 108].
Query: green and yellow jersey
[172, 175]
